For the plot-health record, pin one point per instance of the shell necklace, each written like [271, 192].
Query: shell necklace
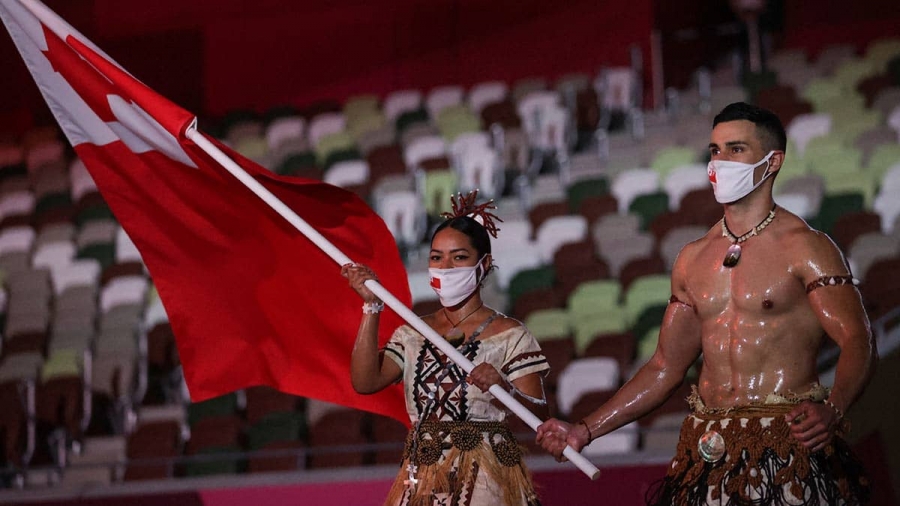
[733, 255]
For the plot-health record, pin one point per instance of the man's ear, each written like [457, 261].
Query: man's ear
[776, 160]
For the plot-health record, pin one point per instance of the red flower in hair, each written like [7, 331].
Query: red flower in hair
[464, 205]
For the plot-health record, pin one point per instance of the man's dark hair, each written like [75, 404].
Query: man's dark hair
[768, 127]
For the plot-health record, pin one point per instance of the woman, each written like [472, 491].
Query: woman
[460, 450]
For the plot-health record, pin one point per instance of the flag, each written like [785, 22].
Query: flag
[251, 301]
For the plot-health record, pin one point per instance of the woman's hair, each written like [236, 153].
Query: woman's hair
[474, 220]
[467, 225]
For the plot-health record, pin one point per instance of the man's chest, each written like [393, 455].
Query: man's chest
[762, 281]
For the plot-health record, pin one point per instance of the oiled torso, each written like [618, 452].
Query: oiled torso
[760, 335]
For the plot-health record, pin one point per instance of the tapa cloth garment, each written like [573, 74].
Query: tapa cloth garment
[762, 464]
[462, 453]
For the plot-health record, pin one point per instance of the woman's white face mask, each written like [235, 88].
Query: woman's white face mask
[455, 284]
[732, 181]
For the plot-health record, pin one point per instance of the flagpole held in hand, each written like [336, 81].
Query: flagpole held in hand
[404, 312]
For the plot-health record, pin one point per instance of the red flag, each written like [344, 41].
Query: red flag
[250, 299]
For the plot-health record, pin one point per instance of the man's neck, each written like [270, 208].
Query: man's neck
[743, 215]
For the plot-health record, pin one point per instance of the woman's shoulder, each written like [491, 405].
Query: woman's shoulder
[503, 324]
[405, 331]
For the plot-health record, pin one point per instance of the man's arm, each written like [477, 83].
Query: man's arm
[840, 312]
[678, 347]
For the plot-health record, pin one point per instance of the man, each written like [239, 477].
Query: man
[755, 298]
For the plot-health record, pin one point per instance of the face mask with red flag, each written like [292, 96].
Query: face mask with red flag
[250, 299]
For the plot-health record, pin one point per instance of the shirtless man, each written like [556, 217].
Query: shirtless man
[755, 298]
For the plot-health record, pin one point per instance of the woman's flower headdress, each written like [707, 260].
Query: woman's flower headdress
[464, 205]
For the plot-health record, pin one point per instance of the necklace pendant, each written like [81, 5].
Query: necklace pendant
[732, 255]
[455, 336]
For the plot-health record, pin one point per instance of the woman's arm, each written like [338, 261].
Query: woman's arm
[369, 371]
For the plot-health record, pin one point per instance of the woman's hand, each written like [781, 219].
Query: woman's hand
[358, 274]
[484, 376]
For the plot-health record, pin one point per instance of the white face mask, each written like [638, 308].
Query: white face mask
[732, 181]
[455, 284]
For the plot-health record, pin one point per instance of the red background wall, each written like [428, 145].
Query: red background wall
[211, 57]
[256, 54]
[813, 26]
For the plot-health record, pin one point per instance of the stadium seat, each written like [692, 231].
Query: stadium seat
[557, 231]
[629, 184]
[335, 440]
[585, 375]
[323, 125]
[644, 266]
[148, 446]
[480, 168]
[549, 324]
[869, 248]
[575, 263]
[537, 299]
[617, 345]
[390, 437]
[682, 179]
[529, 280]
[645, 292]
[400, 101]
[850, 226]
[486, 93]
[348, 173]
[671, 157]
[676, 239]
[286, 131]
[439, 98]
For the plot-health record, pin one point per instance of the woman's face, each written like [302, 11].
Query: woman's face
[451, 248]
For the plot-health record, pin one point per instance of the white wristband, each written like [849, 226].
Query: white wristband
[373, 307]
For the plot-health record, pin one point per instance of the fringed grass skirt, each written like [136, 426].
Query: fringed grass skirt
[462, 464]
[762, 464]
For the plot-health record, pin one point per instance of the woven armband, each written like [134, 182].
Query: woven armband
[831, 281]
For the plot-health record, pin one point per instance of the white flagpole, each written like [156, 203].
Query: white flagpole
[338, 256]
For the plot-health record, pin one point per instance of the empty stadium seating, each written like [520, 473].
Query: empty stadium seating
[88, 365]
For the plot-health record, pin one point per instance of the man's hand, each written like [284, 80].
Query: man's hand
[554, 435]
[813, 424]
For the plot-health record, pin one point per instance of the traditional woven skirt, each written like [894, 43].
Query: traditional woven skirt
[747, 456]
[462, 464]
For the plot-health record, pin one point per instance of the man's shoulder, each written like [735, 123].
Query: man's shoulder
[690, 251]
[692, 247]
[797, 234]
[808, 245]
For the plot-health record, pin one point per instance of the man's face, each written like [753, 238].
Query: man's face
[736, 141]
